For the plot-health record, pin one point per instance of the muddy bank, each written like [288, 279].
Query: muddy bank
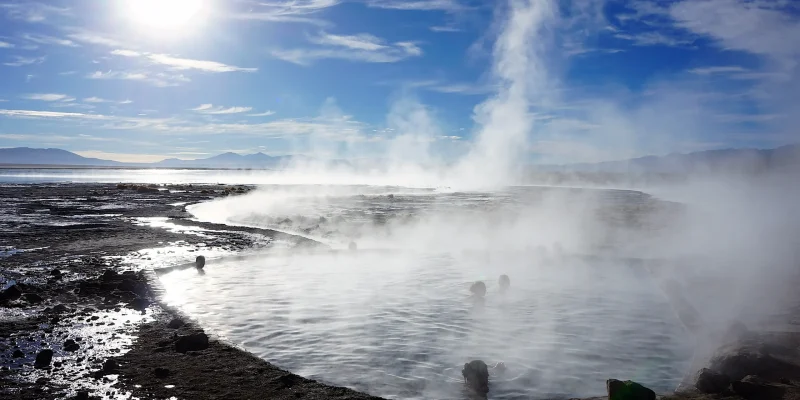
[79, 320]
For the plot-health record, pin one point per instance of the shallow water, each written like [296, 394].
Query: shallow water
[400, 325]
[394, 319]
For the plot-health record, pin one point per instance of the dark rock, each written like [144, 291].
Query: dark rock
[60, 308]
[139, 304]
[42, 381]
[109, 275]
[43, 359]
[56, 274]
[193, 342]
[18, 354]
[32, 298]
[161, 373]
[110, 365]
[709, 381]
[12, 293]
[753, 387]
[740, 362]
[82, 395]
[70, 345]
[175, 323]
[628, 390]
[476, 376]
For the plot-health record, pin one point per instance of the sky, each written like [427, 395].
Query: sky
[552, 81]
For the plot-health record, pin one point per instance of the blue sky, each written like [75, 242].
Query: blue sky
[143, 80]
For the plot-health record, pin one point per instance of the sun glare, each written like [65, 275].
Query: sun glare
[166, 14]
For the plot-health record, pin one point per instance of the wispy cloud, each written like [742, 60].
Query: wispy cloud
[126, 53]
[655, 39]
[183, 63]
[49, 40]
[419, 5]
[21, 61]
[5, 45]
[444, 29]
[48, 97]
[48, 114]
[263, 114]
[717, 70]
[31, 11]
[66, 73]
[94, 38]
[157, 79]
[292, 11]
[362, 47]
[451, 88]
[210, 109]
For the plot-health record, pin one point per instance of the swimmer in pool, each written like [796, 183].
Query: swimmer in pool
[504, 282]
[478, 290]
[476, 375]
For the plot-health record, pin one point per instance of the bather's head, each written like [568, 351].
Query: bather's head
[478, 288]
[476, 376]
[200, 262]
[504, 282]
[352, 246]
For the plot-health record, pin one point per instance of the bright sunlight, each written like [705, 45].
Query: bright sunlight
[174, 15]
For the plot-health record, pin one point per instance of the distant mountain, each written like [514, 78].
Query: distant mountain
[745, 161]
[26, 155]
[29, 156]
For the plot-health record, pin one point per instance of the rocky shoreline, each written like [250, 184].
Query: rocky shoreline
[79, 319]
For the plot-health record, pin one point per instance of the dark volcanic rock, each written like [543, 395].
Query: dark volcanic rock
[628, 390]
[193, 342]
[709, 381]
[32, 298]
[476, 376]
[18, 354]
[82, 395]
[161, 373]
[12, 293]
[43, 359]
[753, 387]
[109, 275]
[110, 366]
[139, 304]
[741, 362]
[56, 274]
[60, 308]
[175, 323]
[70, 345]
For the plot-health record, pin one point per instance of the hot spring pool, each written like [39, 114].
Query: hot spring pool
[400, 325]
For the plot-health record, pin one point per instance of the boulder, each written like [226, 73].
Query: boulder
[43, 359]
[476, 376]
[139, 304]
[18, 354]
[12, 293]
[109, 275]
[752, 387]
[628, 390]
[737, 363]
[82, 395]
[161, 373]
[71, 345]
[709, 381]
[56, 274]
[110, 366]
[33, 298]
[193, 342]
[175, 323]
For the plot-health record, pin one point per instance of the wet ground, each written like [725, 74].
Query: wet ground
[79, 310]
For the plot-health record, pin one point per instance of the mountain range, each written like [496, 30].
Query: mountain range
[711, 161]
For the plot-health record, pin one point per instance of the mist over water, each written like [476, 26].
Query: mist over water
[587, 266]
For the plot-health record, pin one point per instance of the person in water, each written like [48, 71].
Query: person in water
[200, 262]
[352, 246]
[504, 282]
[478, 290]
[476, 375]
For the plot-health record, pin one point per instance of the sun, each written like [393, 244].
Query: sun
[172, 15]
